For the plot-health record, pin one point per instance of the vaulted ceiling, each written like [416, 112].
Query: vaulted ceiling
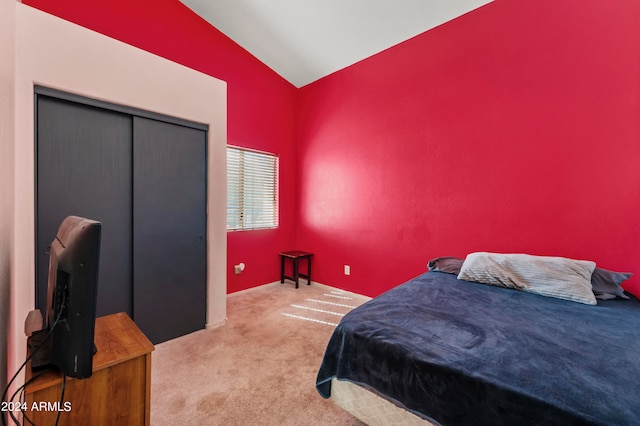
[304, 40]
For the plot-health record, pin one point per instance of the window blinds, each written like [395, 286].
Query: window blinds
[252, 189]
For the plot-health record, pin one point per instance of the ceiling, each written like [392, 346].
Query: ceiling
[304, 40]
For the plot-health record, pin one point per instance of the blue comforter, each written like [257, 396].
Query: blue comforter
[463, 353]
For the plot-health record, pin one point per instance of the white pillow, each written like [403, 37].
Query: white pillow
[545, 275]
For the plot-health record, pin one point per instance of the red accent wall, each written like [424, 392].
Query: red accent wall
[261, 104]
[514, 128]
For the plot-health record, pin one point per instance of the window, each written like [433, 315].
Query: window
[252, 189]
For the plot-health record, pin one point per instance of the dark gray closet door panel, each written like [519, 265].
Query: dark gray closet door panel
[169, 223]
[84, 169]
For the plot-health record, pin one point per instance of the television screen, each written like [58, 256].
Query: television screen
[72, 293]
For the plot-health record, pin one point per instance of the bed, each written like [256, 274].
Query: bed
[455, 352]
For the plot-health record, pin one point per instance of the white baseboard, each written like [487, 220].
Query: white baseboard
[213, 326]
[313, 283]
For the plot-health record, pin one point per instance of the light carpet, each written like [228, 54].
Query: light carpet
[259, 368]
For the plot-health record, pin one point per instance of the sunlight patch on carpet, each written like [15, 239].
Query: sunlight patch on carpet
[331, 303]
[309, 319]
[339, 297]
[317, 310]
[323, 306]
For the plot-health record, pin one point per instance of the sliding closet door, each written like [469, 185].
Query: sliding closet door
[145, 180]
[169, 229]
[84, 169]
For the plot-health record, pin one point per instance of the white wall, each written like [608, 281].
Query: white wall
[7, 66]
[55, 53]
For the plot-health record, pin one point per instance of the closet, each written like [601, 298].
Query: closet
[143, 175]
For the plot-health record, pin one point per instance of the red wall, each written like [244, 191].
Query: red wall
[260, 103]
[515, 128]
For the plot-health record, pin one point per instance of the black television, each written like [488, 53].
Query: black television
[71, 297]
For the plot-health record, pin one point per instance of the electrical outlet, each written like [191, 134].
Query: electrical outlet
[347, 270]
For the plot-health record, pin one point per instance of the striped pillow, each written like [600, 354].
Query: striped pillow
[545, 275]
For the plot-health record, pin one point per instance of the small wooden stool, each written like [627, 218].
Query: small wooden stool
[295, 256]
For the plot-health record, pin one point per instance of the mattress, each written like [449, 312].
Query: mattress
[457, 352]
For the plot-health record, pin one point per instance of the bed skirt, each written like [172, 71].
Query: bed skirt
[370, 408]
